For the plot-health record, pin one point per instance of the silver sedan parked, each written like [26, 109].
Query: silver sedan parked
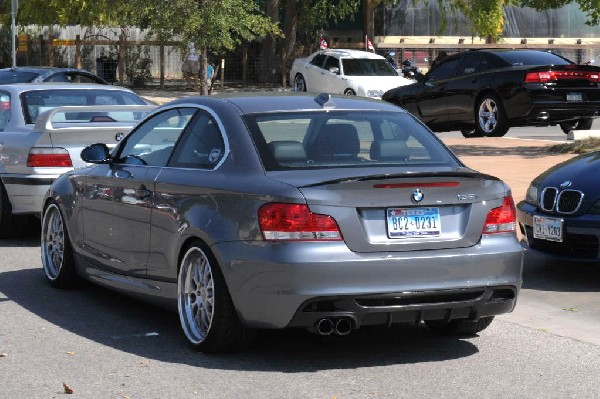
[269, 212]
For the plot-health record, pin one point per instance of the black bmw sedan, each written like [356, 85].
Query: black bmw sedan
[560, 215]
[485, 92]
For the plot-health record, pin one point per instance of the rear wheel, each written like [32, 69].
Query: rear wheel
[299, 83]
[460, 327]
[350, 92]
[57, 253]
[6, 217]
[581, 124]
[491, 120]
[208, 316]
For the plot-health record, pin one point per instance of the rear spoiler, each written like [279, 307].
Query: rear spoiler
[69, 117]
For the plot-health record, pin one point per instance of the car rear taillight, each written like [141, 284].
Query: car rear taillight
[295, 222]
[48, 157]
[502, 219]
[550, 76]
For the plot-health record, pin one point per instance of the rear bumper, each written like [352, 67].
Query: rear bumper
[545, 113]
[277, 285]
[26, 192]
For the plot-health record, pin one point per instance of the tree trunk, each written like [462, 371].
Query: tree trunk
[202, 71]
[289, 30]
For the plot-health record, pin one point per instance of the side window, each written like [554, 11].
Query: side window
[153, 142]
[201, 146]
[58, 77]
[471, 64]
[4, 110]
[332, 62]
[318, 60]
[446, 70]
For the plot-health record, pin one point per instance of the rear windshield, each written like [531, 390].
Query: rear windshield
[39, 101]
[309, 140]
[532, 58]
[367, 67]
[7, 77]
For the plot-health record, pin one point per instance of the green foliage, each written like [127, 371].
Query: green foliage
[577, 147]
[137, 66]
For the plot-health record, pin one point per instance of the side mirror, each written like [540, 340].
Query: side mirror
[335, 70]
[96, 153]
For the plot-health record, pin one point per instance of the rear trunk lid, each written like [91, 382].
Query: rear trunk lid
[73, 128]
[407, 211]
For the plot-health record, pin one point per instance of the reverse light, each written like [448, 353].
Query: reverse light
[48, 157]
[549, 76]
[502, 219]
[295, 222]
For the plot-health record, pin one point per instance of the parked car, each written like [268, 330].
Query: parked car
[560, 215]
[325, 213]
[37, 143]
[38, 74]
[350, 72]
[485, 92]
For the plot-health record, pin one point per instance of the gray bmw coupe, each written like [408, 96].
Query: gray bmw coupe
[275, 211]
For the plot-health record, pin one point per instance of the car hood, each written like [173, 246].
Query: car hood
[578, 170]
[383, 83]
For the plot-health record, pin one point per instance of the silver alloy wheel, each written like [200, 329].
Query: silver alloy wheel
[299, 83]
[53, 242]
[195, 295]
[488, 115]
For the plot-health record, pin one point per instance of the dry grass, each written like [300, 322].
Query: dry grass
[578, 147]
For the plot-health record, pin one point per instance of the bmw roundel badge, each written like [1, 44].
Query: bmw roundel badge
[417, 196]
[566, 184]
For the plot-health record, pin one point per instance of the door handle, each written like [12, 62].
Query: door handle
[122, 174]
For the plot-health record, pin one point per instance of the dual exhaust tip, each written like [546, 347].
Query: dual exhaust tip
[340, 326]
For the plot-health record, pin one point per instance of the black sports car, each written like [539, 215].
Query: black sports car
[560, 215]
[485, 92]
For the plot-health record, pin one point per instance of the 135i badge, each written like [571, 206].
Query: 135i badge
[467, 197]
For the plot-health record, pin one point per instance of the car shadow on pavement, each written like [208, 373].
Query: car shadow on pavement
[119, 322]
[493, 151]
[544, 273]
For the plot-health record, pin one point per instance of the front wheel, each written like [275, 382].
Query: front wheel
[581, 124]
[299, 83]
[491, 120]
[350, 92]
[460, 327]
[57, 253]
[206, 311]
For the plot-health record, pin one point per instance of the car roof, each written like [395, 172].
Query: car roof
[248, 103]
[42, 69]
[22, 87]
[347, 53]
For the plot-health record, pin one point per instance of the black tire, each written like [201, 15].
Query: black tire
[299, 83]
[349, 92]
[460, 328]
[470, 133]
[581, 124]
[208, 317]
[57, 252]
[7, 226]
[490, 119]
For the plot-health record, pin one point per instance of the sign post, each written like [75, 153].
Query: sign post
[14, 9]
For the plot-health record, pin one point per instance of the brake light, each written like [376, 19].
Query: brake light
[295, 222]
[502, 219]
[48, 157]
[549, 76]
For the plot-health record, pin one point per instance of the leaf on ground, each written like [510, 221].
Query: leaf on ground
[71, 353]
[3, 354]
[571, 309]
[68, 389]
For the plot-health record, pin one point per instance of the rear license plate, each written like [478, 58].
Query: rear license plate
[546, 228]
[413, 222]
[574, 97]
